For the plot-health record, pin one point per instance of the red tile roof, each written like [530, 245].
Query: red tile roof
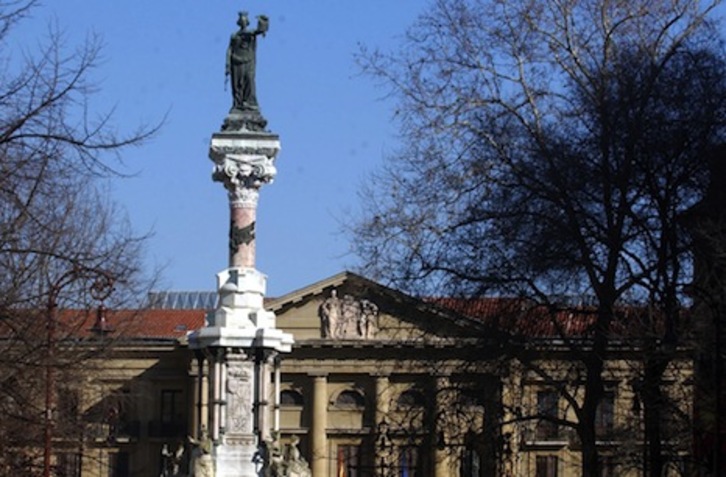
[129, 324]
[525, 318]
[508, 315]
[157, 323]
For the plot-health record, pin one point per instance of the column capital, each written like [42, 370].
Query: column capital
[380, 374]
[244, 162]
[318, 374]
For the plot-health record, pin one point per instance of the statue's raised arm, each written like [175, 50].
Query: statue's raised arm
[263, 24]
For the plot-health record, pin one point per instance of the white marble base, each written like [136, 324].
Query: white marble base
[246, 338]
[236, 460]
[240, 321]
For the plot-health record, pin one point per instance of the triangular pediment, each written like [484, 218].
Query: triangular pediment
[348, 308]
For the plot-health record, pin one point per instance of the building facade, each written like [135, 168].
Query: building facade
[378, 384]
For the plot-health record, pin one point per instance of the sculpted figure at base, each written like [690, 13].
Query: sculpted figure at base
[289, 463]
[201, 464]
[171, 461]
[297, 466]
[273, 462]
[241, 62]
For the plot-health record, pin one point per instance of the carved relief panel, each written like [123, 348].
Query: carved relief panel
[239, 394]
[348, 318]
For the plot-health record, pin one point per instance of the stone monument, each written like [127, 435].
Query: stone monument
[238, 347]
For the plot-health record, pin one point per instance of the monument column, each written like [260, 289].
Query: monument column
[240, 337]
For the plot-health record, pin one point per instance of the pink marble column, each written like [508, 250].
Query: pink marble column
[242, 250]
[243, 214]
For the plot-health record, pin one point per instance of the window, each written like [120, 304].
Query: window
[604, 415]
[411, 398]
[470, 463]
[118, 416]
[171, 421]
[471, 397]
[350, 399]
[607, 466]
[68, 411]
[546, 466]
[68, 465]
[291, 398]
[547, 402]
[171, 405]
[409, 462]
[119, 465]
[348, 461]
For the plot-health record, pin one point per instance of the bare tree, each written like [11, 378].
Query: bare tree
[63, 244]
[549, 149]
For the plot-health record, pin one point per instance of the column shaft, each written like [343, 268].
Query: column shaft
[276, 419]
[222, 395]
[319, 426]
[383, 452]
[198, 396]
[204, 398]
[242, 235]
[263, 400]
[443, 400]
[383, 398]
[216, 397]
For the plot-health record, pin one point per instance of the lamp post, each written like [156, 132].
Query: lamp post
[101, 289]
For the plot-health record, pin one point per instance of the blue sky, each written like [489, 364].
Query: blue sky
[167, 58]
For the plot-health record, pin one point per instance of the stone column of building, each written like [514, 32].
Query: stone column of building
[442, 463]
[203, 399]
[319, 440]
[240, 336]
[383, 447]
[197, 370]
[383, 397]
[512, 398]
[276, 396]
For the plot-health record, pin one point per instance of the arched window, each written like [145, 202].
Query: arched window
[289, 397]
[470, 397]
[350, 399]
[411, 398]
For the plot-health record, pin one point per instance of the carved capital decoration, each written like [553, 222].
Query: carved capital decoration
[244, 170]
[244, 197]
[242, 174]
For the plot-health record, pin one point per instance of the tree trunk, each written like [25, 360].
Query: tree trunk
[652, 397]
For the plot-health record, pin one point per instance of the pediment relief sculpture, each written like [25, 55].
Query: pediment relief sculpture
[348, 318]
